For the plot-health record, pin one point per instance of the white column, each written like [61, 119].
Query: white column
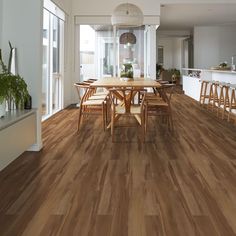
[152, 41]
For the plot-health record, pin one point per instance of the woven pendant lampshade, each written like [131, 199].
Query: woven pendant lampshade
[127, 37]
[127, 15]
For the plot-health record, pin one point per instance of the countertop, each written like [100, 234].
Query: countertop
[210, 70]
[14, 116]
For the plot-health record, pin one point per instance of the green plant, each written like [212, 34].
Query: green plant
[3, 81]
[175, 75]
[3, 89]
[127, 71]
[13, 88]
[175, 72]
[223, 64]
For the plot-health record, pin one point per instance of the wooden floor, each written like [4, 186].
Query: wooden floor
[174, 184]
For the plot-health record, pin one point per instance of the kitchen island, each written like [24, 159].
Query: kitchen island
[192, 79]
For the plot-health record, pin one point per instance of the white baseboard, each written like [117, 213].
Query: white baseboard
[35, 147]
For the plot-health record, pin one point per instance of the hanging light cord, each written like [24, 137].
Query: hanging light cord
[127, 11]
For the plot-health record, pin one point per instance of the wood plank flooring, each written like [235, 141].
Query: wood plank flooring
[180, 184]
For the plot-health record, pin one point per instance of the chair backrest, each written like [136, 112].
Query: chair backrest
[84, 91]
[125, 95]
[166, 75]
[166, 91]
[89, 81]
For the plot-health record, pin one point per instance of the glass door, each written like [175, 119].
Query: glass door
[53, 47]
[46, 78]
[58, 28]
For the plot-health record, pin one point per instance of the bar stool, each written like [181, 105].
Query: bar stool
[213, 100]
[223, 99]
[232, 104]
[203, 92]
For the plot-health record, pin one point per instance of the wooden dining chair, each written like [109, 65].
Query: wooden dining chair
[90, 103]
[100, 91]
[159, 104]
[122, 105]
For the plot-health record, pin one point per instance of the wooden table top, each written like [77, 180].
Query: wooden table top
[119, 82]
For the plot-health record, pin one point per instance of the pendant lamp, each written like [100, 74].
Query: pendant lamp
[128, 37]
[127, 15]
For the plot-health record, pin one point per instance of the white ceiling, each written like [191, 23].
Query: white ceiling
[185, 16]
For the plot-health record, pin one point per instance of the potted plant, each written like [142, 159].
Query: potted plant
[175, 75]
[13, 90]
[127, 71]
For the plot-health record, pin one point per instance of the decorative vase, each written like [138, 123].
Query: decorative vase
[28, 103]
[2, 109]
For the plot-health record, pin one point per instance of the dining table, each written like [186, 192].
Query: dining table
[117, 82]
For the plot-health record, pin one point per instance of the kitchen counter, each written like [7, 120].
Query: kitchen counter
[192, 78]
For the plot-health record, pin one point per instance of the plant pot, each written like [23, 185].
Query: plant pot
[2, 109]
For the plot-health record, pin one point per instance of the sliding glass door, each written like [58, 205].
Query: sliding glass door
[53, 47]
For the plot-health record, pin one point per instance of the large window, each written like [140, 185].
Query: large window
[103, 51]
[96, 51]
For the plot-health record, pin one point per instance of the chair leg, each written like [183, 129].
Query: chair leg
[106, 105]
[146, 119]
[112, 127]
[230, 105]
[205, 92]
[143, 127]
[80, 116]
[171, 119]
[226, 102]
[220, 101]
[210, 97]
[103, 116]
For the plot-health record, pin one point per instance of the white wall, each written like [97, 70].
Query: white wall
[22, 24]
[65, 5]
[213, 44]
[106, 7]
[167, 44]
[1, 18]
[177, 56]
[227, 43]
[69, 61]
[172, 51]
[206, 43]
